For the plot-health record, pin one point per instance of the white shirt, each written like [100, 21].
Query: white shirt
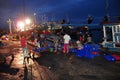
[66, 38]
[89, 39]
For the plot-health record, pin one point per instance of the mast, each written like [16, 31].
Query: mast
[107, 8]
[67, 18]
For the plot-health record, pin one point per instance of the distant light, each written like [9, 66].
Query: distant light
[21, 25]
[34, 14]
[86, 26]
[27, 21]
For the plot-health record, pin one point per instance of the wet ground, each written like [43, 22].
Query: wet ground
[59, 66]
[71, 67]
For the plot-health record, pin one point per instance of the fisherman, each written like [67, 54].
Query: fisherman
[56, 44]
[79, 45]
[67, 39]
[24, 49]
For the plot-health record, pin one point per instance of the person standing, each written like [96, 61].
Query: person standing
[67, 39]
[24, 49]
[35, 42]
[81, 38]
[56, 43]
[0, 42]
[42, 40]
[79, 45]
[89, 39]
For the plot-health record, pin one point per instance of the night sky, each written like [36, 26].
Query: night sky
[76, 11]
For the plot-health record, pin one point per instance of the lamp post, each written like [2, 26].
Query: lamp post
[34, 20]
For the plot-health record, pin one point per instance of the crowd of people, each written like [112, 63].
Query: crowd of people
[65, 41]
[61, 43]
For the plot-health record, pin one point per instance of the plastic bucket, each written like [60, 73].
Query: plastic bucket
[51, 49]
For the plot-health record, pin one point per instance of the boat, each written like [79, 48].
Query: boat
[111, 34]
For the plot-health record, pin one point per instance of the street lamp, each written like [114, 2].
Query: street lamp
[23, 25]
[27, 21]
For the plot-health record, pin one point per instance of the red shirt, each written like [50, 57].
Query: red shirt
[81, 38]
[23, 42]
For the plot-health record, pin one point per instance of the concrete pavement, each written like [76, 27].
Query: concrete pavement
[14, 61]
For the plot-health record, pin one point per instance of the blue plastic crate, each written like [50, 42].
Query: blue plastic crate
[73, 50]
[36, 50]
[79, 55]
[91, 56]
[109, 57]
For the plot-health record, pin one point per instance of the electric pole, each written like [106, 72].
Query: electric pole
[9, 23]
